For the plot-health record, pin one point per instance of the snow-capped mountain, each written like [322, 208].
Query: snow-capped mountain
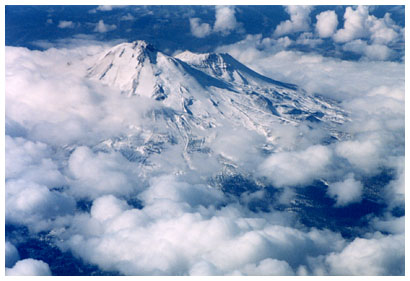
[227, 68]
[199, 92]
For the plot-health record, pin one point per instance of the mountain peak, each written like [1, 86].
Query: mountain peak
[204, 59]
[224, 66]
[143, 45]
[137, 50]
[123, 64]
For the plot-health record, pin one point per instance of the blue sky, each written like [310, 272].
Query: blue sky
[204, 28]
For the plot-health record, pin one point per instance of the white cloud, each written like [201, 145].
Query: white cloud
[373, 52]
[299, 20]
[95, 174]
[35, 205]
[102, 27]
[326, 23]
[390, 224]
[107, 207]
[346, 192]
[225, 23]
[170, 188]
[354, 25]
[178, 232]
[66, 24]
[241, 146]
[362, 154]
[12, 255]
[359, 24]
[307, 38]
[267, 267]
[31, 161]
[29, 267]
[384, 31]
[106, 8]
[396, 188]
[380, 255]
[199, 29]
[128, 16]
[296, 167]
[225, 20]
[111, 7]
[31, 175]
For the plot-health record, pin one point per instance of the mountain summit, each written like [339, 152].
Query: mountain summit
[229, 69]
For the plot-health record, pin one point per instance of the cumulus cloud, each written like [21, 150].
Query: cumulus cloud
[390, 224]
[128, 16]
[106, 8]
[326, 23]
[296, 167]
[170, 188]
[354, 25]
[396, 188]
[107, 207]
[102, 27]
[29, 267]
[31, 161]
[366, 35]
[379, 255]
[225, 23]
[359, 24]
[199, 29]
[12, 255]
[346, 192]
[31, 176]
[308, 38]
[362, 154]
[179, 232]
[299, 20]
[95, 174]
[267, 267]
[384, 31]
[46, 93]
[373, 52]
[377, 52]
[66, 24]
[35, 205]
[240, 146]
[225, 20]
